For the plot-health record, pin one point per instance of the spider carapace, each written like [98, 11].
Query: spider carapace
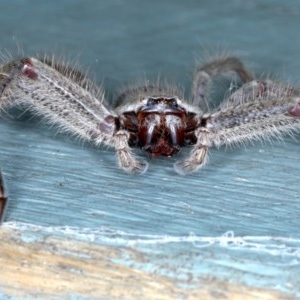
[162, 126]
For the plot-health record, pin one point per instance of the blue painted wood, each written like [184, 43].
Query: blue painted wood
[238, 218]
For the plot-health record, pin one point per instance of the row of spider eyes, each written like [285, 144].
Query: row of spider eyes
[170, 101]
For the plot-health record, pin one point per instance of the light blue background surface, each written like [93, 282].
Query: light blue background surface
[175, 221]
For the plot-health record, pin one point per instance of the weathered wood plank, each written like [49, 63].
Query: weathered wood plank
[56, 268]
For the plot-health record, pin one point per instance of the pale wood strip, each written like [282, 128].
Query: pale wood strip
[57, 268]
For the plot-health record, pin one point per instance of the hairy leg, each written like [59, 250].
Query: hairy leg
[205, 75]
[258, 111]
[66, 98]
[259, 90]
[255, 120]
[3, 199]
[59, 96]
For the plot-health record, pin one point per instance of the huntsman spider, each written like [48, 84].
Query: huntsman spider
[153, 117]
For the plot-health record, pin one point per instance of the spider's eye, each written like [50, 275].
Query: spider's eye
[173, 102]
[150, 102]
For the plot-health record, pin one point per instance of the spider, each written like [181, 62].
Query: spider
[154, 117]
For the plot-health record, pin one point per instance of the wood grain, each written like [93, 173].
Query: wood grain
[56, 268]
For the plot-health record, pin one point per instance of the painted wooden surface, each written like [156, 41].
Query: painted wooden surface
[231, 230]
[55, 268]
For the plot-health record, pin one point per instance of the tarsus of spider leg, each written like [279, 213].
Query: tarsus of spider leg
[126, 158]
[3, 199]
[64, 97]
[205, 75]
[198, 156]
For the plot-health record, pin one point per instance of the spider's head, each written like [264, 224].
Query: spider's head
[161, 125]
